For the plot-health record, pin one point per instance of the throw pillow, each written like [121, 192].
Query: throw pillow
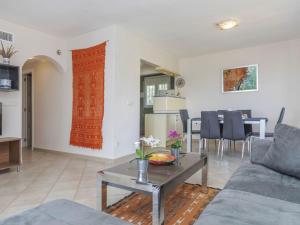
[283, 155]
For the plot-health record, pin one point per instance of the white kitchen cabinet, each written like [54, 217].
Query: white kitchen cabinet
[159, 124]
[168, 104]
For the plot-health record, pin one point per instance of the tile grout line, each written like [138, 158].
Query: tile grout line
[81, 176]
[55, 182]
[23, 190]
[3, 210]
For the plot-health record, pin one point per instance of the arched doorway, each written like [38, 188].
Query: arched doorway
[34, 79]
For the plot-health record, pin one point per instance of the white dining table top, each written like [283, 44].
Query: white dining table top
[248, 119]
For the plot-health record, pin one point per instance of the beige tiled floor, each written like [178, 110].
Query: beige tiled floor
[46, 176]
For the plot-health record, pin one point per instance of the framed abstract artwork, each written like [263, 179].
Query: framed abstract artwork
[240, 79]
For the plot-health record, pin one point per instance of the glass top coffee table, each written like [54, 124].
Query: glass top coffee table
[161, 180]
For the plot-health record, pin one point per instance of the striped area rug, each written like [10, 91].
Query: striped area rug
[183, 206]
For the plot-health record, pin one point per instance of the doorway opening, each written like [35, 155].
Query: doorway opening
[27, 110]
[152, 83]
[41, 88]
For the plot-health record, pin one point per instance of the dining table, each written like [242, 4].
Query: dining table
[260, 121]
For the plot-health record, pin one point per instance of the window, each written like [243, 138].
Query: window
[152, 86]
[163, 87]
[150, 92]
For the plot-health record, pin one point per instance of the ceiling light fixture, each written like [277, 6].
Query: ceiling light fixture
[227, 24]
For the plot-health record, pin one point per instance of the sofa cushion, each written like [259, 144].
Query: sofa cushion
[263, 181]
[62, 212]
[284, 153]
[243, 208]
[259, 148]
[256, 195]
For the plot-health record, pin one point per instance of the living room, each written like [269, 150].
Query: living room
[198, 45]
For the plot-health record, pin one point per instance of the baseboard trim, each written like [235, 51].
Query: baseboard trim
[93, 158]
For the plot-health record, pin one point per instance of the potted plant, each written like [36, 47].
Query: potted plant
[177, 142]
[143, 158]
[7, 53]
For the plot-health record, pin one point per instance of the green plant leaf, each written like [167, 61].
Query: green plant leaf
[138, 153]
[148, 155]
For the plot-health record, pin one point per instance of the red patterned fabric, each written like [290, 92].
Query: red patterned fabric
[88, 96]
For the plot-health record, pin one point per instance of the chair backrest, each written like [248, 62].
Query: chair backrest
[233, 127]
[210, 125]
[184, 116]
[282, 112]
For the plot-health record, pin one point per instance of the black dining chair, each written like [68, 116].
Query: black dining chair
[248, 112]
[184, 116]
[233, 129]
[248, 127]
[281, 115]
[271, 134]
[210, 128]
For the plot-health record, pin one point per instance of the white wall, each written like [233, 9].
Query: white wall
[29, 43]
[53, 89]
[121, 108]
[84, 41]
[52, 98]
[130, 50]
[279, 78]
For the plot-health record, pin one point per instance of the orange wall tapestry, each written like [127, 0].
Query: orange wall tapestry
[88, 96]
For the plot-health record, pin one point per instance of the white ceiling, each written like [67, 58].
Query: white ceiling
[184, 27]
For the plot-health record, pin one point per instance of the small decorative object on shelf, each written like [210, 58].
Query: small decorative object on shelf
[176, 146]
[5, 83]
[143, 158]
[7, 53]
[9, 77]
[180, 82]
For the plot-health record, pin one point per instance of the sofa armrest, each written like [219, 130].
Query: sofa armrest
[258, 150]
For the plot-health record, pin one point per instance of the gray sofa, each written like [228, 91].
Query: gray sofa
[255, 195]
[62, 212]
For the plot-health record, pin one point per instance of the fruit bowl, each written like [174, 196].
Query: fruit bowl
[161, 159]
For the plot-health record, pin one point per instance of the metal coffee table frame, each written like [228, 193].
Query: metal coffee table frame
[158, 190]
